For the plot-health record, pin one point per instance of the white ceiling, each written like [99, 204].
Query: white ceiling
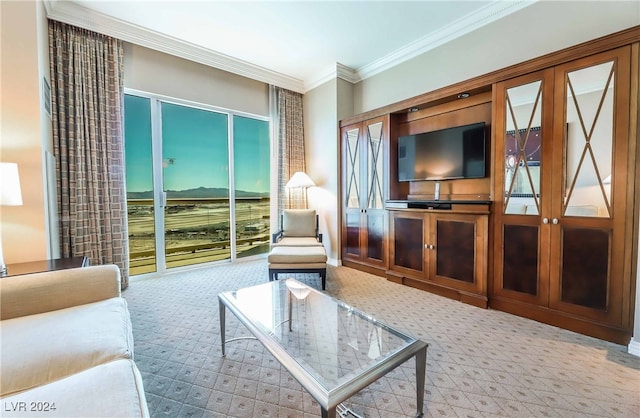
[293, 44]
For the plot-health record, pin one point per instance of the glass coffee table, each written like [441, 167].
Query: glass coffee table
[332, 349]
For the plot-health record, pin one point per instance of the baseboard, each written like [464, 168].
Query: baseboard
[634, 347]
[334, 262]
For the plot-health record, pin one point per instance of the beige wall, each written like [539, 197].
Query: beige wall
[321, 152]
[24, 124]
[324, 106]
[536, 30]
[159, 73]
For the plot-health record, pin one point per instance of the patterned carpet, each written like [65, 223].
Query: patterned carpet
[480, 363]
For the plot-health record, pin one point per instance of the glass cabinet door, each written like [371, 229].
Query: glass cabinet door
[352, 167]
[374, 213]
[524, 130]
[590, 160]
[375, 166]
[523, 149]
[364, 216]
[352, 200]
[561, 218]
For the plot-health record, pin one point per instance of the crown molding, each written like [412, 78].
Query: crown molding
[74, 14]
[77, 15]
[339, 71]
[466, 24]
[347, 73]
[320, 78]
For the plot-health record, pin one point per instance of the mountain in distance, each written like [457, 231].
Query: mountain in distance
[199, 193]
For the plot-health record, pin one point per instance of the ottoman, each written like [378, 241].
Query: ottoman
[311, 259]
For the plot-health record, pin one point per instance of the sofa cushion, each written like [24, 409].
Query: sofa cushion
[37, 349]
[112, 389]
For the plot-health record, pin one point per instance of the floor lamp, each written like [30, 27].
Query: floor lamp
[299, 180]
[10, 195]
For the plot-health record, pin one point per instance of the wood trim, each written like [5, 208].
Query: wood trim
[364, 267]
[632, 252]
[433, 110]
[397, 190]
[480, 301]
[562, 320]
[482, 83]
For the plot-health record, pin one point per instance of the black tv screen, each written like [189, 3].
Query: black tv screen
[452, 153]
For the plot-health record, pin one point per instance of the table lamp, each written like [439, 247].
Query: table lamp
[300, 180]
[10, 195]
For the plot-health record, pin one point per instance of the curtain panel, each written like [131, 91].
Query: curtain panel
[88, 141]
[291, 156]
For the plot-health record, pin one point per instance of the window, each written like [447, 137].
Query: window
[199, 175]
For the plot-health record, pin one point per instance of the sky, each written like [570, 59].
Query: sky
[195, 148]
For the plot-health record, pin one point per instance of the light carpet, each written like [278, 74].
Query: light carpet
[480, 362]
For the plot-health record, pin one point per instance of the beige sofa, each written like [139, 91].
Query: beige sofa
[66, 346]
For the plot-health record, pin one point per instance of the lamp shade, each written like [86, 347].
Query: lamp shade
[10, 194]
[299, 179]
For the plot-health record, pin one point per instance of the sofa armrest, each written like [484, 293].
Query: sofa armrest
[36, 293]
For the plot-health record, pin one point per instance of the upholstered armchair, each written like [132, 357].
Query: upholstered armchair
[297, 246]
[299, 227]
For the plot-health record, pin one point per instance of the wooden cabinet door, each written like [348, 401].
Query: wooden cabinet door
[375, 237]
[457, 249]
[407, 234]
[561, 235]
[374, 229]
[523, 129]
[364, 164]
[590, 179]
[351, 192]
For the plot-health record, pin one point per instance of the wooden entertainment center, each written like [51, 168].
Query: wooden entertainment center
[551, 231]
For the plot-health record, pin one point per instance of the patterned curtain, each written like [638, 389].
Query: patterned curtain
[88, 140]
[290, 147]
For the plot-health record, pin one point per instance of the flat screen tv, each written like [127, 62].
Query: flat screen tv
[452, 153]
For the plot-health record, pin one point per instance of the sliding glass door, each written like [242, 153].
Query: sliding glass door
[195, 179]
[197, 184]
[141, 209]
[251, 178]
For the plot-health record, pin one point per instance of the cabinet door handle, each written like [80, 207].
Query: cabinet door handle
[545, 221]
[431, 247]
[426, 246]
[555, 221]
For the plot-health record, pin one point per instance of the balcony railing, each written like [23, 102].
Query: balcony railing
[196, 231]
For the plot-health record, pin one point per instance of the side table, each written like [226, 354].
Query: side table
[40, 266]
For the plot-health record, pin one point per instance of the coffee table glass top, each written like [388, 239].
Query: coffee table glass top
[333, 342]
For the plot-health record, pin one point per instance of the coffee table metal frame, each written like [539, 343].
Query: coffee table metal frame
[329, 398]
